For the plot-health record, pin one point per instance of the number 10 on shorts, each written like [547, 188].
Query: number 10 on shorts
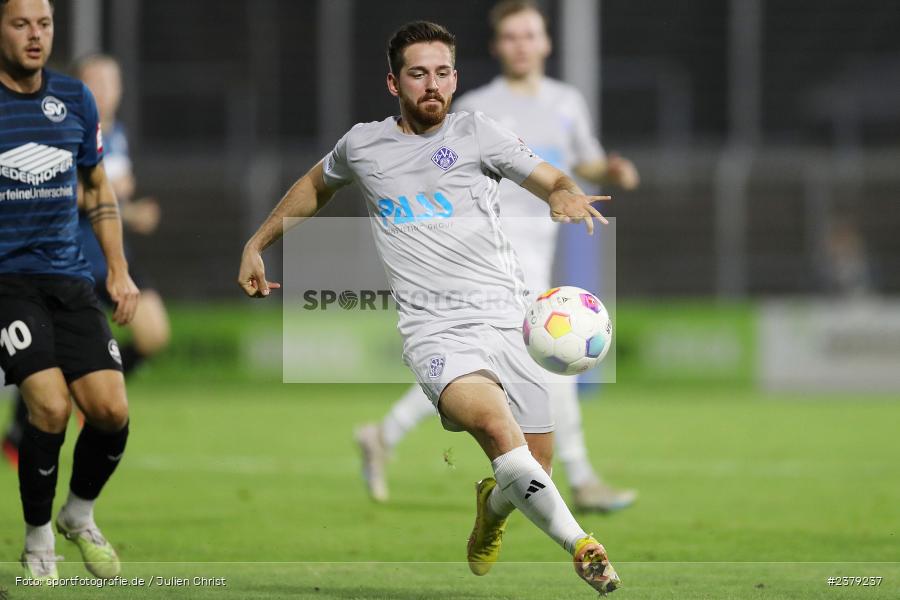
[15, 337]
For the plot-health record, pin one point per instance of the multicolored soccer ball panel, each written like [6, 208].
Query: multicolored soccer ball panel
[567, 330]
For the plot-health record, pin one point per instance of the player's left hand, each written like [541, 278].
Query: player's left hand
[622, 172]
[124, 293]
[567, 207]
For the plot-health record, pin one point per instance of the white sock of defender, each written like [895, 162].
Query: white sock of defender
[527, 486]
[405, 414]
[39, 538]
[77, 512]
[499, 506]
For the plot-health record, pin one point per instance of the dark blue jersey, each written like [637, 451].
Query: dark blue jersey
[44, 138]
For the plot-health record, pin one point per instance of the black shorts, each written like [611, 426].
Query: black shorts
[51, 321]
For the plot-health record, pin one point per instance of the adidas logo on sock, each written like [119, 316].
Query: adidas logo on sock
[535, 487]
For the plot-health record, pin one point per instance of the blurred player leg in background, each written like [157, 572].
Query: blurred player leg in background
[14, 431]
[589, 490]
[377, 440]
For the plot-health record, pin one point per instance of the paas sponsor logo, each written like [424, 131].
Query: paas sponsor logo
[402, 211]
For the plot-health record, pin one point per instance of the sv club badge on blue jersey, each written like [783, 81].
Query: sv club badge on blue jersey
[444, 157]
[54, 109]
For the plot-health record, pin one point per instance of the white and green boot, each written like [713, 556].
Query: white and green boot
[40, 565]
[98, 554]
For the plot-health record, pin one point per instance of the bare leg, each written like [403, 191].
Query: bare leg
[150, 325]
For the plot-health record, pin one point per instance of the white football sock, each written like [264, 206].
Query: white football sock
[526, 485]
[77, 512]
[569, 439]
[39, 538]
[499, 506]
[405, 414]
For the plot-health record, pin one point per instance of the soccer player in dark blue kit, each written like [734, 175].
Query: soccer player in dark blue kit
[55, 342]
[150, 330]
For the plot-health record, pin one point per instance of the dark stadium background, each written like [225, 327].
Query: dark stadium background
[226, 105]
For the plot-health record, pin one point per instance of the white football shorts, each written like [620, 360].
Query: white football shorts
[439, 359]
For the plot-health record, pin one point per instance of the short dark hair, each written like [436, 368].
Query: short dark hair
[505, 8]
[3, 4]
[414, 33]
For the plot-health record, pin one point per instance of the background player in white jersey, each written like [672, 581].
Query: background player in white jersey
[430, 181]
[553, 118]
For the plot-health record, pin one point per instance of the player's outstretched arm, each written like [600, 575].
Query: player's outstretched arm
[613, 170]
[568, 203]
[99, 203]
[305, 198]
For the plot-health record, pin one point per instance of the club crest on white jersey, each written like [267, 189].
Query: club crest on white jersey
[444, 157]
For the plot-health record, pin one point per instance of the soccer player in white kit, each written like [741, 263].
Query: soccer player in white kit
[431, 183]
[553, 119]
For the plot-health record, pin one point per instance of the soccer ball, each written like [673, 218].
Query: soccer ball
[567, 330]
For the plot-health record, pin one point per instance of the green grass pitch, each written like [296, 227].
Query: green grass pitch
[743, 495]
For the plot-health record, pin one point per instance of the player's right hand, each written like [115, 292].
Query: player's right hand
[569, 207]
[252, 276]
